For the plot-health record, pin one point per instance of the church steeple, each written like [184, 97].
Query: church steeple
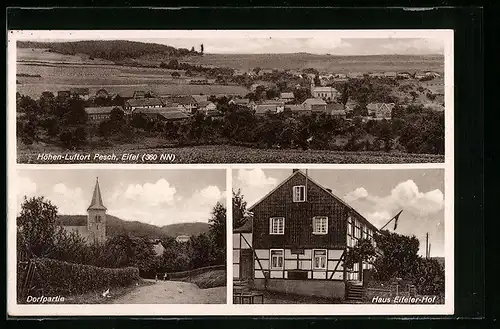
[96, 203]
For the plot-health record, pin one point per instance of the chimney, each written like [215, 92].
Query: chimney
[329, 190]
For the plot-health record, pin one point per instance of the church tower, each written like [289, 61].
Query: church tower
[96, 217]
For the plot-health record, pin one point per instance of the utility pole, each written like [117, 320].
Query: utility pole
[427, 245]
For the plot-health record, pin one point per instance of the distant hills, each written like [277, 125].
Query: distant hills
[113, 50]
[115, 226]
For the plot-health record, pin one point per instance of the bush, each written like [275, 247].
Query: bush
[55, 277]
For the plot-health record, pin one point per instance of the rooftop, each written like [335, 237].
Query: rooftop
[140, 102]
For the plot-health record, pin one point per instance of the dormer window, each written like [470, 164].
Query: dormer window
[299, 193]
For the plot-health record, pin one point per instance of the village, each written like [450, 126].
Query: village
[324, 94]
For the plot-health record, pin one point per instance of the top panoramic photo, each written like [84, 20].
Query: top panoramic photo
[179, 97]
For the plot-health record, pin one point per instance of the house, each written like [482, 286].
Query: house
[325, 93]
[262, 109]
[297, 240]
[340, 76]
[299, 109]
[336, 110]
[102, 113]
[314, 105]
[157, 247]
[376, 75]
[83, 93]
[240, 101]
[182, 238]
[355, 75]
[200, 98]
[404, 75]
[380, 110]
[101, 93]
[93, 230]
[184, 103]
[64, 93]
[139, 94]
[207, 107]
[134, 103]
[287, 97]
[390, 74]
[419, 76]
[163, 113]
[432, 74]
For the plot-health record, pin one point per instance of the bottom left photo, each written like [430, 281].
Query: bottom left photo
[101, 236]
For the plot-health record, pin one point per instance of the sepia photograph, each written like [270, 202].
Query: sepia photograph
[108, 236]
[339, 236]
[230, 96]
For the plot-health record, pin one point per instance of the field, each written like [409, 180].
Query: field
[61, 72]
[233, 154]
[338, 64]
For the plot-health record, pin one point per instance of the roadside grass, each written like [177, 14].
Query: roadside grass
[95, 297]
[210, 279]
[232, 154]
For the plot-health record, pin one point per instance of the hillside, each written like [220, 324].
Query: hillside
[113, 50]
[116, 226]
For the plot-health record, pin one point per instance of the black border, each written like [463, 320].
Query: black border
[469, 139]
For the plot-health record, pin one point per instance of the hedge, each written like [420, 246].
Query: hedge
[185, 274]
[53, 277]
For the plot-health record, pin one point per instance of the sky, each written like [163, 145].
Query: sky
[264, 42]
[158, 197]
[313, 45]
[376, 194]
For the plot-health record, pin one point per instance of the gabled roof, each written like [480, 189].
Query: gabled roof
[96, 202]
[246, 227]
[298, 172]
[263, 108]
[287, 95]
[314, 101]
[144, 102]
[204, 103]
[241, 101]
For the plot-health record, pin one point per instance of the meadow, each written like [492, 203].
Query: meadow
[60, 72]
[239, 154]
[328, 63]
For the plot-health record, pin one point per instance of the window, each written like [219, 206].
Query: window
[299, 193]
[277, 225]
[319, 259]
[276, 259]
[320, 225]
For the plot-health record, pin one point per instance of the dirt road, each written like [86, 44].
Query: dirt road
[173, 292]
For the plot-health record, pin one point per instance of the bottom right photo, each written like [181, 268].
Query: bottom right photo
[332, 236]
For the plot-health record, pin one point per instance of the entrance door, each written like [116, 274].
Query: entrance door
[246, 264]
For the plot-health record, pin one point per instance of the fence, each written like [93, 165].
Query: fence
[190, 273]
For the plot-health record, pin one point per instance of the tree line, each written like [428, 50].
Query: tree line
[63, 121]
[39, 234]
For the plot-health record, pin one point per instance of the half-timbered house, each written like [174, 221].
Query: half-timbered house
[297, 240]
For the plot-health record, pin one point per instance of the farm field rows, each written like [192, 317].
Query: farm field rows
[238, 154]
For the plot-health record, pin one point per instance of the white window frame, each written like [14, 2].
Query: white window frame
[294, 193]
[315, 218]
[271, 220]
[271, 259]
[313, 259]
